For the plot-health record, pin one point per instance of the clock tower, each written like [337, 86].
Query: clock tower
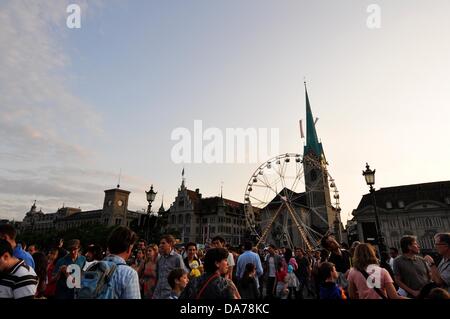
[115, 207]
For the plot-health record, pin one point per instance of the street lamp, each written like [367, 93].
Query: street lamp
[151, 194]
[369, 175]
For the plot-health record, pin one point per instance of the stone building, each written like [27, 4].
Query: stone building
[114, 212]
[199, 219]
[421, 210]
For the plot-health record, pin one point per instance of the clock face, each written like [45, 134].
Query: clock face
[109, 202]
[119, 203]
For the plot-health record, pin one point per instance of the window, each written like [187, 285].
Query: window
[447, 200]
[388, 205]
[181, 203]
[173, 219]
[188, 219]
[180, 219]
[401, 204]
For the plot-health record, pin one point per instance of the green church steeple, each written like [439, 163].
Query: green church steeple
[312, 142]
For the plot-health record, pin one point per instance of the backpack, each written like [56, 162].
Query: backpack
[96, 281]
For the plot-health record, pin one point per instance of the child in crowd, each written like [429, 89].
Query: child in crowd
[178, 280]
[328, 287]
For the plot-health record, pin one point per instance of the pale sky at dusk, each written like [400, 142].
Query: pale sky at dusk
[78, 105]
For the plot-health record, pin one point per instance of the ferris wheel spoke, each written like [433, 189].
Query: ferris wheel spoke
[313, 209]
[255, 198]
[268, 185]
[295, 182]
[269, 226]
[299, 228]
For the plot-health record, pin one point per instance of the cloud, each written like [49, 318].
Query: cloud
[52, 186]
[40, 116]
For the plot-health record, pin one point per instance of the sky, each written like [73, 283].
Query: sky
[78, 106]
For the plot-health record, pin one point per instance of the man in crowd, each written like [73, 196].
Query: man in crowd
[393, 253]
[303, 271]
[219, 242]
[125, 280]
[440, 274]
[32, 249]
[248, 256]
[168, 261]
[410, 270]
[270, 268]
[60, 273]
[93, 255]
[8, 233]
[17, 279]
[341, 259]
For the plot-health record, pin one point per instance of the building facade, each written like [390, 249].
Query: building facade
[421, 210]
[199, 219]
[114, 212]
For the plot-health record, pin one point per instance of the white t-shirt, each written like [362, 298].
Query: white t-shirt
[230, 260]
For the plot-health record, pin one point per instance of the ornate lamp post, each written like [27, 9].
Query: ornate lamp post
[369, 175]
[151, 194]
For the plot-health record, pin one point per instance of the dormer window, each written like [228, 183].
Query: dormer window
[401, 204]
[388, 205]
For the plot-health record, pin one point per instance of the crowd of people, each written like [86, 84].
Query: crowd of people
[131, 268]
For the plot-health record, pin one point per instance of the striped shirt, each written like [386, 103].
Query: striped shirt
[18, 282]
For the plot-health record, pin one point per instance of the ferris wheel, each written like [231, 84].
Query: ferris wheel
[279, 203]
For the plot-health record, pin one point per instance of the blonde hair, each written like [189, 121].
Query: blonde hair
[364, 256]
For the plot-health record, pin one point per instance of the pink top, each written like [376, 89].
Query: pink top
[293, 262]
[379, 277]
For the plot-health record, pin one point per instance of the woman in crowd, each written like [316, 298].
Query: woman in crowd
[40, 262]
[365, 264]
[52, 258]
[139, 260]
[247, 286]
[147, 272]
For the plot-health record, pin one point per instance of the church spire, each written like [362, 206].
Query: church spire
[183, 186]
[162, 209]
[312, 142]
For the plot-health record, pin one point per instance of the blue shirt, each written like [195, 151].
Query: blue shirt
[248, 257]
[165, 264]
[22, 254]
[125, 279]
